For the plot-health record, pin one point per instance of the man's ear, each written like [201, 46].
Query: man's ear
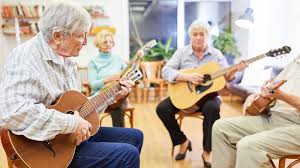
[57, 37]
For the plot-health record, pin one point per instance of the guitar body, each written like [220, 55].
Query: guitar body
[259, 106]
[184, 95]
[36, 155]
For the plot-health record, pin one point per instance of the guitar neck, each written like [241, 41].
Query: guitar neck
[135, 60]
[224, 71]
[100, 99]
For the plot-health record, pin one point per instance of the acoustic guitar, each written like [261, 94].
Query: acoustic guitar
[59, 152]
[261, 104]
[185, 94]
[135, 63]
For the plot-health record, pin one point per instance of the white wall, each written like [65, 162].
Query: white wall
[276, 23]
[116, 9]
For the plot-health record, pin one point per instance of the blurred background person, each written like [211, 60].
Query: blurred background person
[105, 69]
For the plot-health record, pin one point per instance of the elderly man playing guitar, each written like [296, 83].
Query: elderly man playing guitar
[36, 74]
[196, 54]
[251, 141]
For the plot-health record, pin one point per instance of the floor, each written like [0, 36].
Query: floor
[156, 151]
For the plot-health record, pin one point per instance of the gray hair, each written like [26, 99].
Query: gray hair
[199, 24]
[64, 17]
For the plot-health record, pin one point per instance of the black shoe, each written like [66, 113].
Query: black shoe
[181, 156]
[206, 163]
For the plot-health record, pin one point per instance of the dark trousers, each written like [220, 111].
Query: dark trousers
[110, 147]
[210, 108]
[117, 114]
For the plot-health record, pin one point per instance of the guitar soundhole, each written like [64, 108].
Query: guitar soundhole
[206, 78]
[70, 112]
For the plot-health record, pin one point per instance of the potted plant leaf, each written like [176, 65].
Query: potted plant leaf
[160, 51]
[226, 43]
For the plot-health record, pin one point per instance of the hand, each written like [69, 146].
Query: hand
[268, 91]
[242, 65]
[112, 78]
[250, 99]
[140, 53]
[125, 89]
[195, 78]
[82, 131]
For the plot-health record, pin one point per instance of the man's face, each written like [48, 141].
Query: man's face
[198, 38]
[72, 44]
[107, 44]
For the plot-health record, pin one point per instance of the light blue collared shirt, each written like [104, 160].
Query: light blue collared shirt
[185, 58]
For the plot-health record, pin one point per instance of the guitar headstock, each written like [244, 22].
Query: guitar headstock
[150, 44]
[279, 51]
[134, 74]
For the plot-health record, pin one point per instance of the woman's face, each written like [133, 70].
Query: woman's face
[107, 44]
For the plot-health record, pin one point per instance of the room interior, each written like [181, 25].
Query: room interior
[270, 25]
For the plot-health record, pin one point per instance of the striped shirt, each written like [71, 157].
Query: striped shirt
[34, 76]
[184, 58]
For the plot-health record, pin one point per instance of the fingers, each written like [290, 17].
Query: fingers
[76, 113]
[140, 53]
[127, 83]
[82, 135]
[242, 65]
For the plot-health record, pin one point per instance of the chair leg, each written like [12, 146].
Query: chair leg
[161, 86]
[101, 118]
[131, 118]
[180, 122]
[137, 94]
[281, 163]
[172, 152]
[145, 95]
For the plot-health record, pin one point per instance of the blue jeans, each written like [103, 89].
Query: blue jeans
[110, 147]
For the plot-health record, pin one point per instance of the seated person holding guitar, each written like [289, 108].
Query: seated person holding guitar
[38, 72]
[250, 141]
[105, 69]
[194, 55]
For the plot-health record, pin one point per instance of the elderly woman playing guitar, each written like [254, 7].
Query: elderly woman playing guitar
[196, 54]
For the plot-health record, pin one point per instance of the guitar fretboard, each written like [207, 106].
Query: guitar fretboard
[224, 71]
[100, 99]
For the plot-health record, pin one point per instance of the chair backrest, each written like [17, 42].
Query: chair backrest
[152, 70]
[83, 73]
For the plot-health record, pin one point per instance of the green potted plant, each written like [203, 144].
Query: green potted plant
[160, 51]
[226, 43]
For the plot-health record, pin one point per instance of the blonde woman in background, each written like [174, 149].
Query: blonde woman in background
[106, 68]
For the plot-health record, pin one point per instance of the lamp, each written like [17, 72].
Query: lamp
[246, 20]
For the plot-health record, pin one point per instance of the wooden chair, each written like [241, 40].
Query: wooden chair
[83, 73]
[128, 111]
[152, 75]
[295, 160]
[181, 115]
[13, 160]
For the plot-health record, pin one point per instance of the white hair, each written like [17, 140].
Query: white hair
[199, 24]
[64, 17]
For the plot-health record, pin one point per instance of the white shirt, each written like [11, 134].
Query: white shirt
[292, 74]
[34, 76]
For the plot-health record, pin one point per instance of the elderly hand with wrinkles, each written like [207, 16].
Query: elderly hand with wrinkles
[82, 131]
[125, 89]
